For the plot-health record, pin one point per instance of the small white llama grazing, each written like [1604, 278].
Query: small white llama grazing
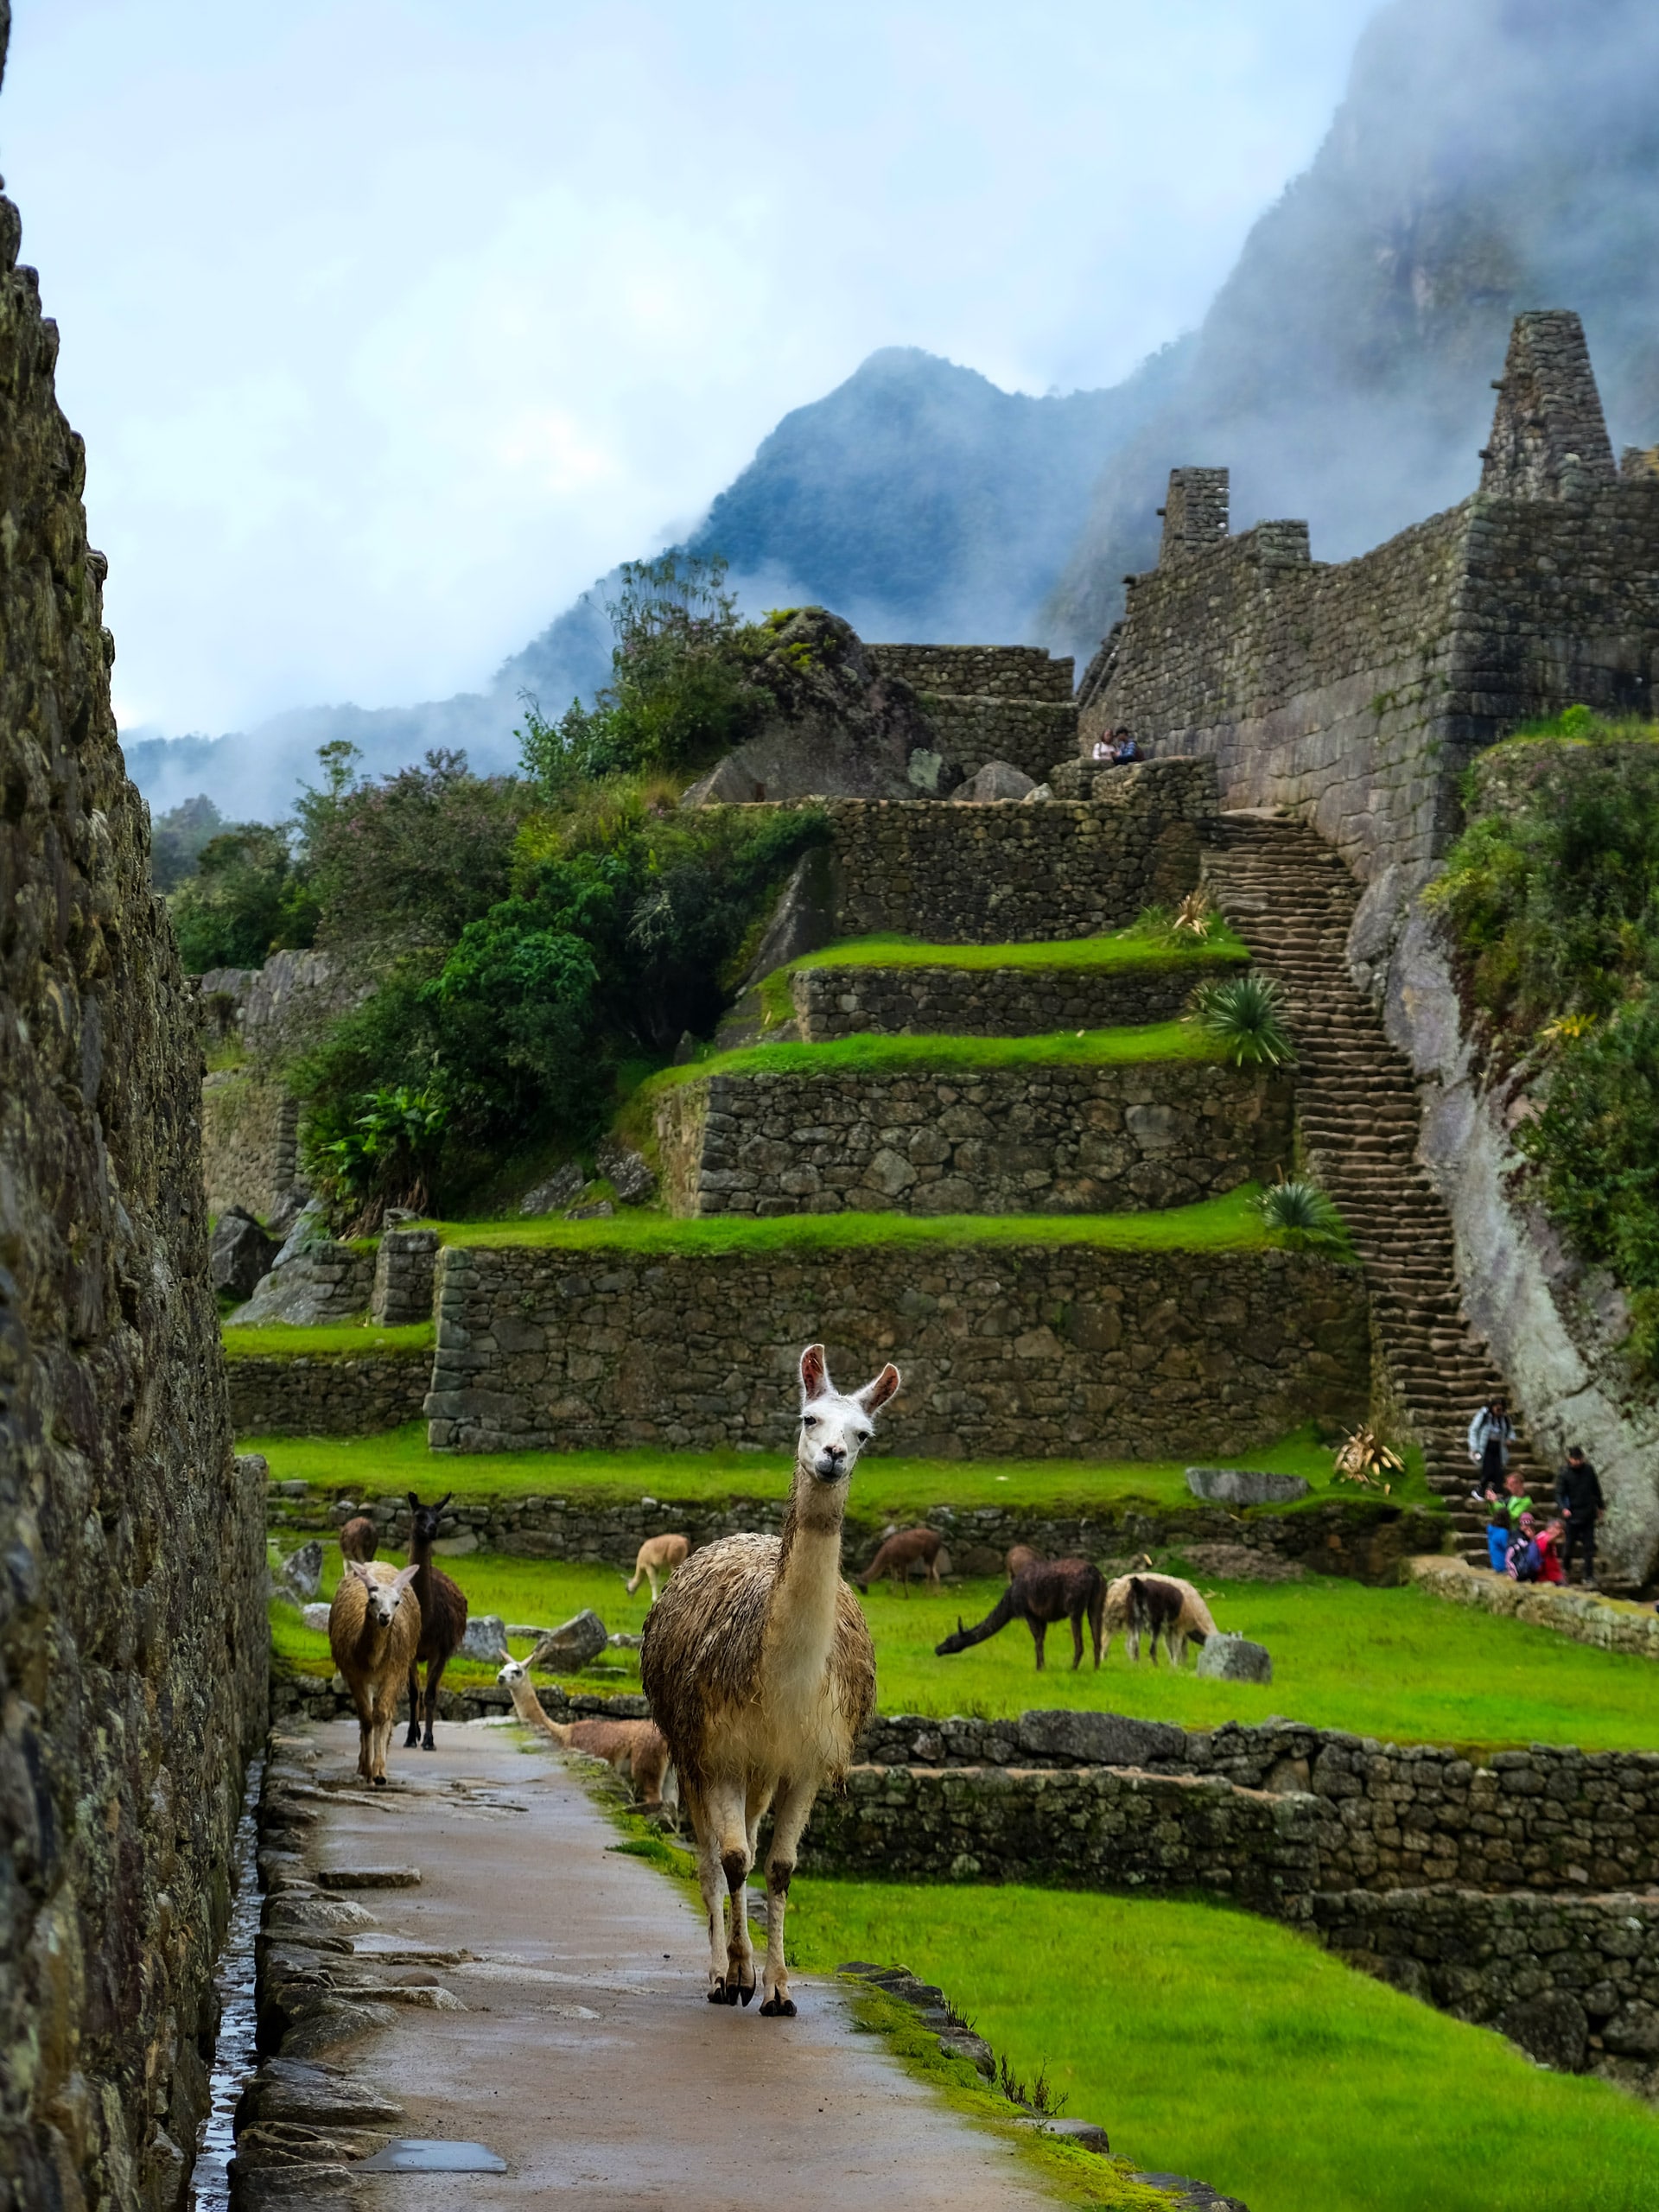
[374, 1625]
[760, 1672]
[658, 1555]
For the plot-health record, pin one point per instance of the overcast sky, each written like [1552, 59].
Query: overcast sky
[389, 326]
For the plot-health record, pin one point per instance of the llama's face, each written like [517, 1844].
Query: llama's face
[385, 1598]
[834, 1429]
[511, 1673]
[427, 1519]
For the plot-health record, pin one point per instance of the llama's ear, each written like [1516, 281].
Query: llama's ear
[875, 1395]
[443, 1500]
[357, 1568]
[815, 1374]
[405, 1576]
[414, 1501]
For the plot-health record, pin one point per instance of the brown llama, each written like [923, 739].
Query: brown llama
[761, 1673]
[1021, 1556]
[658, 1555]
[1042, 1592]
[443, 1618]
[1193, 1624]
[633, 1748]
[904, 1549]
[374, 1625]
[1154, 1608]
[359, 1539]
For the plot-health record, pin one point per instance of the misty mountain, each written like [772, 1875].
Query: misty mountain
[1488, 157]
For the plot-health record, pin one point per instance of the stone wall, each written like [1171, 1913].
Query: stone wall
[1124, 1138]
[865, 1001]
[1355, 694]
[250, 1142]
[1032, 733]
[986, 671]
[132, 1637]
[1015, 873]
[327, 1394]
[1035, 1351]
[406, 1268]
[1362, 1539]
[1101, 1827]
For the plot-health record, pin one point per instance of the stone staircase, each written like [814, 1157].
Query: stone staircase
[1292, 899]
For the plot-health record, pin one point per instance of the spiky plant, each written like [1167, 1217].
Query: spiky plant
[1300, 1214]
[1195, 916]
[1364, 1458]
[1243, 1014]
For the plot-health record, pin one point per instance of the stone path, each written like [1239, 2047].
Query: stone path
[587, 2057]
[1293, 901]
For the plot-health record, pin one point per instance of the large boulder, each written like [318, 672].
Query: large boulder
[485, 1636]
[561, 1189]
[303, 1572]
[1235, 1659]
[1550, 2027]
[997, 779]
[826, 722]
[238, 1253]
[322, 1282]
[1099, 1738]
[564, 1650]
[1244, 1486]
[626, 1171]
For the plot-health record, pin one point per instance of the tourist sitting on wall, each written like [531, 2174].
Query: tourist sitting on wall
[1106, 748]
[1578, 1493]
[1128, 750]
[1525, 1562]
[1550, 1551]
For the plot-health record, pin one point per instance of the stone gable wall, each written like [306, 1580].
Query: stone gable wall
[985, 671]
[1031, 734]
[1038, 1350]
[132, 1634]
[250, 1142]
[857, 1001]
[1118, 1139]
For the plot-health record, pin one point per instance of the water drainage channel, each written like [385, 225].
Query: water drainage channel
[234, 2055]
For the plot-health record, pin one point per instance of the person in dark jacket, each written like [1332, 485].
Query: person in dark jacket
[1578, 1493]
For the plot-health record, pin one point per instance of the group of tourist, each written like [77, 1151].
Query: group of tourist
[1116, 749]
[1528, 1546]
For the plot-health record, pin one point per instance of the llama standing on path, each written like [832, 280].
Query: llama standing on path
[760, 1672]
[634, 1748]
[443, 1618]
[374, 1625]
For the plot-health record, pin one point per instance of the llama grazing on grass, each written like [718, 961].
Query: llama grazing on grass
[760, 1672]
[633, 1748]
[1154, 1608]
[359, 1539]
[900, 1550]
[443, 1618]
[1192, 1623]
[1042, 1592]
[374, 1625]
[658, 1555]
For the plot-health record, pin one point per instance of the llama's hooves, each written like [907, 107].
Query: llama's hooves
[724, 1992]
[747, 1993]
[378, 1780]
[777, 2008]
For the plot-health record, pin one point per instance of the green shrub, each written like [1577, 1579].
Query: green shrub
[250, 897]
[1242, 1016]
[1301, 1216]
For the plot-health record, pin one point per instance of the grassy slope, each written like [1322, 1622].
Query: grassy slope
[398, 1460]
[1395, 1664]
[1132, 948]
[869, 1054]
[332, 1340]
[1229, 1224]
[1210, 2043]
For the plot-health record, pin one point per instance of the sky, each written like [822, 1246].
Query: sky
[389, 325]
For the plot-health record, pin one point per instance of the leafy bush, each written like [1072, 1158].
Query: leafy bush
[1553, 905]
[1243, 1014]
[678, 696]
[250, 897]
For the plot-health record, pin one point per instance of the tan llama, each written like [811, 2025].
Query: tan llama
[658, 1555]
[761, 1673]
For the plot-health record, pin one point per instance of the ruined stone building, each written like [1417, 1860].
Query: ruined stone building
[132, 1633]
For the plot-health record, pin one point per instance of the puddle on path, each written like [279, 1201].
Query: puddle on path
[234, 2056]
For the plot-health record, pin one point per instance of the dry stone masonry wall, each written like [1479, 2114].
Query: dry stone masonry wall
[132, 1635]
[980, 671]
[1119, 1139]
[1038, 1350]
[867, 1001]
[319, 1395]
[250, 1142]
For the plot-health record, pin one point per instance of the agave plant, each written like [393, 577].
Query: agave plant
[1245, 1015]
[1364, 1458]
[1298, 1213]
[1195, 916]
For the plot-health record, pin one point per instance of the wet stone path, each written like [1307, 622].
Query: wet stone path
[461, 1956]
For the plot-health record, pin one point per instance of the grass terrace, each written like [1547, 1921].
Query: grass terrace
[330, 1340]
[882, 1055]
[1224, 1224]
[1209, 2041]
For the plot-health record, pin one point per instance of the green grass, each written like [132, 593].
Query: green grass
[1399, 1665]
[876, 1055]
[1227, 1224]
[1210, 2043]
[398, 1460]
[330, 1340]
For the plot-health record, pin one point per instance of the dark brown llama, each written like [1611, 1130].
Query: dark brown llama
[1042, 1592]
[443, 1618]
[1154, 1609]
[359, 1539]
